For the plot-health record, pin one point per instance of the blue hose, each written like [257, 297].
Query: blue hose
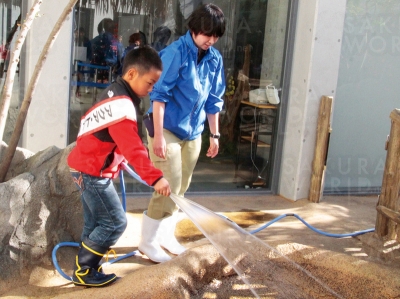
[122, 183]
[74, 244]
[54, 257]
[312, 228]
[120, 258]
[134, 175]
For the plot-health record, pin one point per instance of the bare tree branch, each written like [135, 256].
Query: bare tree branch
[30, 90]
[8, 86]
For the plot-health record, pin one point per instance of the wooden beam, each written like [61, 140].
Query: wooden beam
[321, 149]
[392, 215]
[390, 192]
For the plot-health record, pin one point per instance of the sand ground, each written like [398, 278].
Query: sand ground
[353, 267]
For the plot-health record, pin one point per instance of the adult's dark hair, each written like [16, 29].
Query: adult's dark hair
[105, 25]
[143, 59]
[208, 19]
[162, 34]
[135, 37]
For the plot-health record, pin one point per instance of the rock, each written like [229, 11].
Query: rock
[40, 207]
[20, 155]
[12, 116]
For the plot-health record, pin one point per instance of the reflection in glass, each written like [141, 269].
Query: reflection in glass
[253, 50]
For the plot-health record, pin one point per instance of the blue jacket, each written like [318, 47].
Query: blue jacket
[189, 90]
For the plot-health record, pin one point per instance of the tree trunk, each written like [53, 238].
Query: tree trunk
[30, 90]
[388, 203]
[12, 67]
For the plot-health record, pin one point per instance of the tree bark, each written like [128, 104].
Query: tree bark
[30, 90]
[12, 67]
[390, 193]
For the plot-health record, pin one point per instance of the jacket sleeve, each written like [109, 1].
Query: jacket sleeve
[125, 135]
[214, 101]
[171, 59]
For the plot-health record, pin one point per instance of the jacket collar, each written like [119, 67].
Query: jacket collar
[135, 99]
[193, 48]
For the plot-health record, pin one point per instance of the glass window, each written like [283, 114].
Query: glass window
[253, 49]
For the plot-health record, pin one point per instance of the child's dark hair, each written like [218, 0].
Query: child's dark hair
[143, 59]
[208, 19]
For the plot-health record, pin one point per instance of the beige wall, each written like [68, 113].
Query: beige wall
[47, 120]
[314, 74]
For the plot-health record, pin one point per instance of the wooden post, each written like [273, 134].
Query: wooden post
[321, 149]
[389, 199]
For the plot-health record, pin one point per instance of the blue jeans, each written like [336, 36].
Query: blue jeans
[103, 215]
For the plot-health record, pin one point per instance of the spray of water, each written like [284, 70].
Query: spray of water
[253, 259]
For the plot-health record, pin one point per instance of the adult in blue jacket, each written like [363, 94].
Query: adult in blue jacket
[189, 91]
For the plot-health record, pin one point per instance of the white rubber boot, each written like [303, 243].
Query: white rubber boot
[148, 244]
[166, 235]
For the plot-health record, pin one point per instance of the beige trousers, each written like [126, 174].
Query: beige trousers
[181, 158]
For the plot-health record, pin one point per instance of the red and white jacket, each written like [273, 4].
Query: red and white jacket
[108, 136]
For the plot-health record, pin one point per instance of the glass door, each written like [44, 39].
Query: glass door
[253, 48]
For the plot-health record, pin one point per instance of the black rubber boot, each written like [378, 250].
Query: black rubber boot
[87, 271]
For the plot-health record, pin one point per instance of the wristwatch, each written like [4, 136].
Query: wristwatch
[216, 136]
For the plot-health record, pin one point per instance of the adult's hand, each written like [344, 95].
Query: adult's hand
[159, 146]
[214, 147]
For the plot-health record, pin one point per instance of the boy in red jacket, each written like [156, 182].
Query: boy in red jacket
[107, 137]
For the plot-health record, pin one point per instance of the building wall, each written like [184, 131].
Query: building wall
[368, 90]
[314, 74]
[46, 123]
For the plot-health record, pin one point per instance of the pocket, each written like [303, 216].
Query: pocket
[78, 180]
[149, 124]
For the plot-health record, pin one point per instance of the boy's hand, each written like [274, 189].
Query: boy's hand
[162, 187]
